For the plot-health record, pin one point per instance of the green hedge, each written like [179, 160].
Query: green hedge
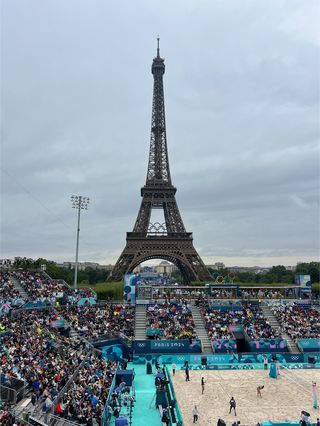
[316, 288]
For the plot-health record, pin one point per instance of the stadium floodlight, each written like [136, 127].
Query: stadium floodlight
[80, 203]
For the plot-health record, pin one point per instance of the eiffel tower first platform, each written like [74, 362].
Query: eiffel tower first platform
[169, 240]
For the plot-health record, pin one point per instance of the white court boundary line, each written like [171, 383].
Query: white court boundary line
[293, 371]
[287, 376]
[253, 378]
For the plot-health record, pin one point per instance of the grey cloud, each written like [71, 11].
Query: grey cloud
[242, 103]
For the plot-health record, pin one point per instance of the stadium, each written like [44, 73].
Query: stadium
[164, 355]
[189, 343]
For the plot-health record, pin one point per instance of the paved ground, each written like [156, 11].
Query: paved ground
[282, 399]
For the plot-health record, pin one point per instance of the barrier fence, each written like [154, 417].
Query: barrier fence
[233, 359]
[177, 411]
[105, 420]
[71, 379]
[12, 395]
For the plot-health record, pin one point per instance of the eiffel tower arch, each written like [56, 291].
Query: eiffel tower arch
[169, 240]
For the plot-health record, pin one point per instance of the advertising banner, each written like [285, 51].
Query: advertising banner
[304, 281]
[129, 288]
[166, 346]
[270, 345]
[232, 361]
[224, 345]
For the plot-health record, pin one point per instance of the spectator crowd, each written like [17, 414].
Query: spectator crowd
[172, 320]
[93, 322]
[37, 350]
[40, 287]
[34, 351]
[8, 293]
[86, 397]
[249, 317]
[298, 322]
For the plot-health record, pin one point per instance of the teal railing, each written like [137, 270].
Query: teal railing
[177, 412]
[104, 420]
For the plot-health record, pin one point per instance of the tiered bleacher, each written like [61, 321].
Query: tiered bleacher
[297, 321]
[93, 322]
[40, 287]
[250, 318]
[86, 397]
[9, 295]
[33, 350]
[170, 321]
[67, 376]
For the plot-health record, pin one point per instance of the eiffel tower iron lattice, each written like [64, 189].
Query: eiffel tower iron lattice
[169, 240]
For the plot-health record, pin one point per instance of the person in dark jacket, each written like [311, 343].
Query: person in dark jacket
[233, 405]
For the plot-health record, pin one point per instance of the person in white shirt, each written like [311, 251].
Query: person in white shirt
[174, 367]
[195, 414]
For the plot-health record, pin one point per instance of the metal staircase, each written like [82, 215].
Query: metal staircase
[292, 347]
[24, 295]
[201, 329]
[140, 322]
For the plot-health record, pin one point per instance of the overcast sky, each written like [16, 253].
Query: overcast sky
[242, 111]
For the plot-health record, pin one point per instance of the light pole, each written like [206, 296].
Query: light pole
[80, 203]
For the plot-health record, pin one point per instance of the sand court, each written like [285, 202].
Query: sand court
[283, 399]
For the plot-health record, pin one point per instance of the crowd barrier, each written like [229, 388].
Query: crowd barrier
[270, 345]
[261, 345]
[71, 379]
[105, 421]
[224, 345]
[284, 424]
[12, 392]
[236, 306]
[233, 360]
[177, 411]
[309, 345]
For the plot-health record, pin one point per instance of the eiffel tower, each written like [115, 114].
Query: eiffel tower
[169, 240]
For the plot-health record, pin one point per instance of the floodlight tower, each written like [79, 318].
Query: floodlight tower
[81, 203]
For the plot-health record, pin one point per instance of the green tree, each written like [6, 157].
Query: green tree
[312, 269]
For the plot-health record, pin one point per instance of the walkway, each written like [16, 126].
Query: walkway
[144, 411]
[200, 329]
[18, 286]
[140, 323]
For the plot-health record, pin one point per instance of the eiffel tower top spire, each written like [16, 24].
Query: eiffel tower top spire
[158, 168]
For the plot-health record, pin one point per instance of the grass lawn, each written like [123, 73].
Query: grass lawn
[109, 290]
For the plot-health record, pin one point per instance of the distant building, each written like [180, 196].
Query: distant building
[252, 269]
[106, 267]
[83, 265]
[290, 268]
[140, 269]
[166, 268]
[217, 266]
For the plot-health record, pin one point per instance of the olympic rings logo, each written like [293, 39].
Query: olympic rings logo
[219, 279]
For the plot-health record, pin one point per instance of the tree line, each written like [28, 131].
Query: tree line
[277, 274]
[88, 276]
